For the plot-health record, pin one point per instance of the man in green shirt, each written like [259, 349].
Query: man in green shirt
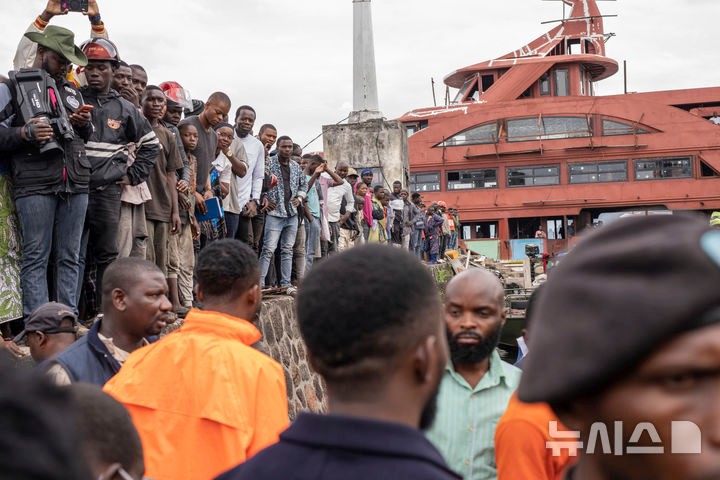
[477, 385]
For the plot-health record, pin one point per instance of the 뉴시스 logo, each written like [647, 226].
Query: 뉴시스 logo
[685, 438]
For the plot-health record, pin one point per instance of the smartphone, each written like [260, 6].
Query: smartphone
[75, 5]
[85, 109]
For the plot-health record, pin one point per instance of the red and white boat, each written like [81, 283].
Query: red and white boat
[527, 143]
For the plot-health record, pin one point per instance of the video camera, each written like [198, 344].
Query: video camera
[37, 96]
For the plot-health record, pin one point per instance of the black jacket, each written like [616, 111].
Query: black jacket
[117, 124]
[88, 360]
[334, 447]
[54, 172]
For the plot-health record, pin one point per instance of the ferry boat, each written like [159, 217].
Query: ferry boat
[527, 149]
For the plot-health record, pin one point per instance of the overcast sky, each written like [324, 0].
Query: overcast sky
[292, 60]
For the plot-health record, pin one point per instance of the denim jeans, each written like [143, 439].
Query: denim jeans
[50, 223]
[231, 223]
[298, 270]
[419, 244]
[312, 232]
[282, 231]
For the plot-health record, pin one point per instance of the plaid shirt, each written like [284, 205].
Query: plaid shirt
[298, 187]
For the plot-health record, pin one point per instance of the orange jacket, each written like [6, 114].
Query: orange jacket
[202, 398]
[520, 443]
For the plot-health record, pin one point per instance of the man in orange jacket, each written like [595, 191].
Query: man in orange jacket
[202, 398]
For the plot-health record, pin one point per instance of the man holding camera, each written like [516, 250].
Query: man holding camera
[50, 170]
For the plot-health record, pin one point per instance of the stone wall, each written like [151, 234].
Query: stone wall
[282, 341]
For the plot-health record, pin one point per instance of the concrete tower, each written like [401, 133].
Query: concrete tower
[365, 93]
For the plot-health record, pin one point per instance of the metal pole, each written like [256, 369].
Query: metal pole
[625, 75]
[432, 83]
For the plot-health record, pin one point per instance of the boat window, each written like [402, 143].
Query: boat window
[706, 170]
[533, 176]
[547, 128]
[486, 133]
[487, 82]
[425, 182]
[464, 91]
[562, 82]
[565, 127]
[472, 179]
[598, 172]
[523, 129]
[613, 127]
[545, 84]
[414, 127]
[658, 168]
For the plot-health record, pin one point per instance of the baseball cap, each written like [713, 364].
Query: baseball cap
[47, 319]
[351, 172]
[366, 171]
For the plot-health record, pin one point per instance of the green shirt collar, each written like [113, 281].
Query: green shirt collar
[492, 378]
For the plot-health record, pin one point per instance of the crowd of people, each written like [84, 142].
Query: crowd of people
[145, 171]
[138, 203]
[623, 345]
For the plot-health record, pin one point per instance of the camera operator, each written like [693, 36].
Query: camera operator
[51, 187]
[117, 123]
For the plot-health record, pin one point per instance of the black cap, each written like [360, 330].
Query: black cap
[47, 319]
[620, 294]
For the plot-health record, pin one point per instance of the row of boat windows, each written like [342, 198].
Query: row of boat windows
[540, 128]
[532, 176]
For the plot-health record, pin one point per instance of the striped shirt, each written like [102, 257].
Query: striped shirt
[464, 427]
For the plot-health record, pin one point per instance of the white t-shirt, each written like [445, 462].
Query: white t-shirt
[250, 186]
[334, 200]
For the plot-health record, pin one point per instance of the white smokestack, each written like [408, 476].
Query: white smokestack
[365, 96]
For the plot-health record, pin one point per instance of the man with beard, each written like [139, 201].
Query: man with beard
[135, 306]
[202, 398]
[382, 364]
[477, 385]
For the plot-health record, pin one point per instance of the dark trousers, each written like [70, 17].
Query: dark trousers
[245, 230]
[231, 223]
[258, 231]
[101, 231]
